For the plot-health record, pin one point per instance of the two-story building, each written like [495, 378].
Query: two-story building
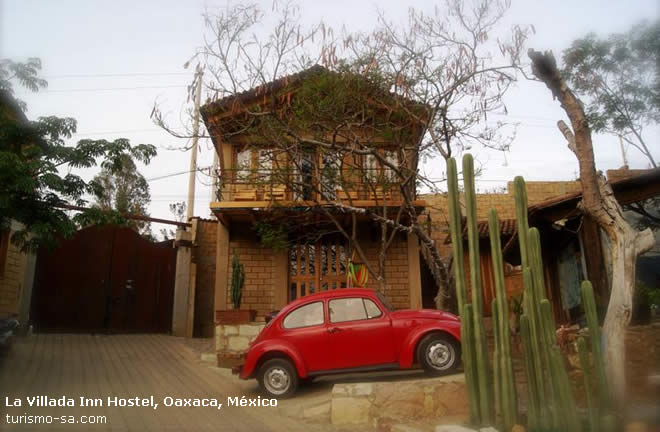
[299, 163]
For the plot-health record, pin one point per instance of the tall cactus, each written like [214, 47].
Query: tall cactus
[551, 403]
[469, 357]
[237, 278]
[602, 405]
[481, 349]
[509, 400]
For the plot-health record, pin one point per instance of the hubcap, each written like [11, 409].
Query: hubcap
[440, 355]
[277, 380]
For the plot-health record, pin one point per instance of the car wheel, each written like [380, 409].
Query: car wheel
[278, 378]
[438, 354]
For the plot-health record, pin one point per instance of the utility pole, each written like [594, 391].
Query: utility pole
[623, 153]
[190, 209]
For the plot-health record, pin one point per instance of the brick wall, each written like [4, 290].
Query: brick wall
[258, 264]
[11, 281]
[396, 270]
[204, 257]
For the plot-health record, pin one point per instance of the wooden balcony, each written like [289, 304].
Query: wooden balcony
[254, 194]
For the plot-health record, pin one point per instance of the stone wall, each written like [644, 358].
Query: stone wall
[381, 404]
[232, 340]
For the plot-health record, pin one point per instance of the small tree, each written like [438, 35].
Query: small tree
[124, 190]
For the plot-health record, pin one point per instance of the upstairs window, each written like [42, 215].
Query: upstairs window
[243, 164]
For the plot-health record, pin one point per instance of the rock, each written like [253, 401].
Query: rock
[349, 411]
[317, 412]
[238, 343]
[362, 389]
[404, 428]
[230, 330]
[453, 428]
[249, 330]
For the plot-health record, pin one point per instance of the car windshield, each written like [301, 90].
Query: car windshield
[384, 301]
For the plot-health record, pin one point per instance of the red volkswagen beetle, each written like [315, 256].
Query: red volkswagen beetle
[348, 330]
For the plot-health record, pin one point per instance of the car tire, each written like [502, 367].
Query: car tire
[278, 378]
[439, 354]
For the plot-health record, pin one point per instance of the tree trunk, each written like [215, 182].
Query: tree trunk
[598, 201]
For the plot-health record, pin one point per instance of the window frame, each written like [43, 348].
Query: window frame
[323, 321]
[364, 307]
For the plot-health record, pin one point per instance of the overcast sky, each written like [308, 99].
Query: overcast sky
[108, 61]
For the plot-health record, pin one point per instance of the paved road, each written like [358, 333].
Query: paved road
[124, 366]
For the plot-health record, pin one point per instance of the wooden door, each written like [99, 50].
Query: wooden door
[315, 267]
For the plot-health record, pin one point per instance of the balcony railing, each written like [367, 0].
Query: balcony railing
[268, 185]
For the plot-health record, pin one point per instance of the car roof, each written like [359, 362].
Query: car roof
[338, 292]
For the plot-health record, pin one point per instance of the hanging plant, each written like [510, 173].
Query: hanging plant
[358, 275]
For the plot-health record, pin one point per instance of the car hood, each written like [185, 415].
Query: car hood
[423, 314]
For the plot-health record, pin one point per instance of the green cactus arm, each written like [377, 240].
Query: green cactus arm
[592, 411]
[533, 421]
[467, 343]
[456, 234]
[589, 305]
[480, 349]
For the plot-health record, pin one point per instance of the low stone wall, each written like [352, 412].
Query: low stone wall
[232, 340]
[382, 404]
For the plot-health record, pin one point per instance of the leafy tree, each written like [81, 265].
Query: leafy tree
[620, 78]
[124, 190]
[34, 186]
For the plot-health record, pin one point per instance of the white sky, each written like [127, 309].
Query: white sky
[108, 61]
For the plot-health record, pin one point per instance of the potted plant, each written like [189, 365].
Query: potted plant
[236, 315]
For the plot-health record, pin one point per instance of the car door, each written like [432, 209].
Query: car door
[360, 333]
[305, 329]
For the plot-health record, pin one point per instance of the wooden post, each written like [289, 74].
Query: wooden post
[221, 267]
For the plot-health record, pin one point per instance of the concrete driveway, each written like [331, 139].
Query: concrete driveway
[68, 367]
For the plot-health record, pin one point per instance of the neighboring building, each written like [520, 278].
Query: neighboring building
[570, 241]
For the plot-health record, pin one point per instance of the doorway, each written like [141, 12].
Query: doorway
[315, 267]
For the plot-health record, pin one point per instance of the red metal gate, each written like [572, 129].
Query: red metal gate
[105, 278]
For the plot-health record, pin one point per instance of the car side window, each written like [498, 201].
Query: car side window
[373, 311]
[305, 316]
[352, 309]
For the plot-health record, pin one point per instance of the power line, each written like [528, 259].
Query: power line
[199, 169]
[78, 90]
[113, 75]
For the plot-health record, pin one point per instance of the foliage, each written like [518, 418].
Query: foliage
[178, 210]
[619, 75]
[124, 190]
[272, 236]
[237, 279]
[37, 166]
[648, 296]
